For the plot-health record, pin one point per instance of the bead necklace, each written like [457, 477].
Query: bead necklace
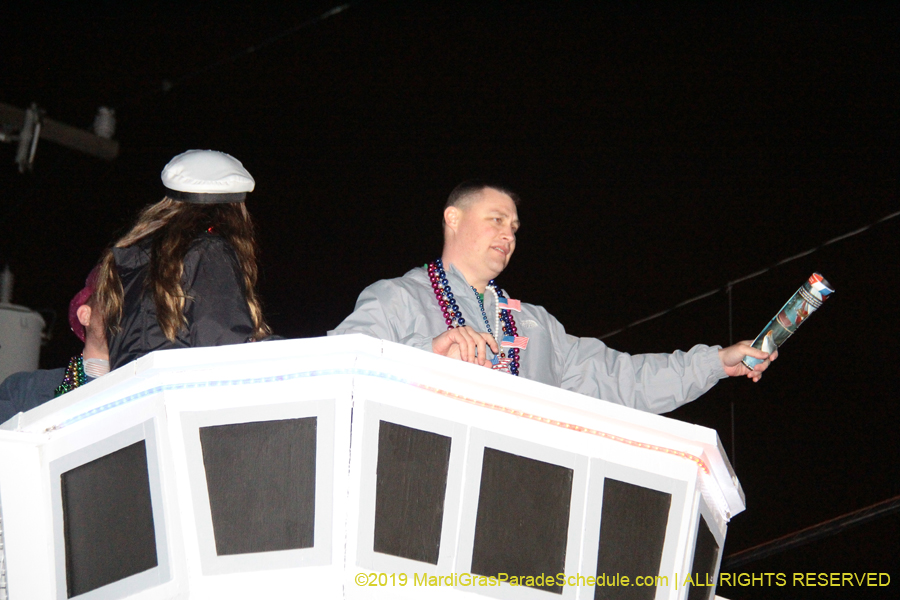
[453, 316]
[480, 298]
[74, 378]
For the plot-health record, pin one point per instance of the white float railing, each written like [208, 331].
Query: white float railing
[353, 467]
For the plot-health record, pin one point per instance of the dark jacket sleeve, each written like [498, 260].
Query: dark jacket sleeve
[20, 392]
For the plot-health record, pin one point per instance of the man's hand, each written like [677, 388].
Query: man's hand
[466, 344]
[732, 356]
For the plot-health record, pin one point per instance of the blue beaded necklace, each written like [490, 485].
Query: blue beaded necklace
[480, 298]
[453, 315]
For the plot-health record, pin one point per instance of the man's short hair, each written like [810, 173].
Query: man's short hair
[467, 192]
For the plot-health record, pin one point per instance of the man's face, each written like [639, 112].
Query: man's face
[486, 234]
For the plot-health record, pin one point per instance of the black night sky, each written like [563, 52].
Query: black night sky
[660, 152]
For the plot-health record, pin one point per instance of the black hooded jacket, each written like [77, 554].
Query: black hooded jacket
[215, 306]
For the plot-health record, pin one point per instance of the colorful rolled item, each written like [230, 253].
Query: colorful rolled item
[811, 295]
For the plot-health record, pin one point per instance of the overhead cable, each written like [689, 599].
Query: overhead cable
[168, 84]
[812, 533]
[727, 287]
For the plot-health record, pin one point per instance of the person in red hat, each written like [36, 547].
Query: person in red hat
[23, 391]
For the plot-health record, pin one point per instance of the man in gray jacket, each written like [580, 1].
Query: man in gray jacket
[452, 307]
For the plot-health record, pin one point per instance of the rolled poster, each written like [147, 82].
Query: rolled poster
[803, 303]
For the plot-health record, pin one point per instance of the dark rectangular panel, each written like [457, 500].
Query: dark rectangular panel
[261, 479]
[632, 533]
[522, 523]
[108, 519]
[411, 483]
[706, 555]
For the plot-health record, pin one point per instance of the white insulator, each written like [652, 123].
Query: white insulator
[105, 122]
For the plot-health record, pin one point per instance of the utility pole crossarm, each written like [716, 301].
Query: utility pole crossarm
[62, 134]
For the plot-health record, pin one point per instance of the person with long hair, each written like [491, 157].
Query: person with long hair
[185, 274]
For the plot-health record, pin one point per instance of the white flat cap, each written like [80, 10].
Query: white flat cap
[207, 177]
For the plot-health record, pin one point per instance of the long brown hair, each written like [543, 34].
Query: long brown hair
[173, 226]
